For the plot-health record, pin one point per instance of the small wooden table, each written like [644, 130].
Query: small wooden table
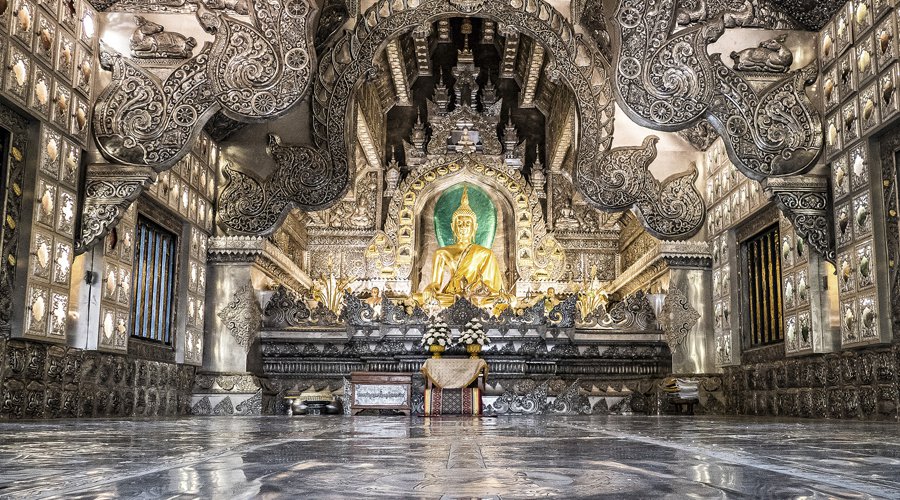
[380, 391]
[687, 403]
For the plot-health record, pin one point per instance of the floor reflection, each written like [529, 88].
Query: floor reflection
[391, 457]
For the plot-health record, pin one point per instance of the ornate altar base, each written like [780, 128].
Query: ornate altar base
[538, 363]
[527, 375]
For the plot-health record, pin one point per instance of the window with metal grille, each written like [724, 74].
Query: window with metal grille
[763, 321]
[153, 294]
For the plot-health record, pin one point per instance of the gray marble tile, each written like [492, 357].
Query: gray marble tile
[396, 457]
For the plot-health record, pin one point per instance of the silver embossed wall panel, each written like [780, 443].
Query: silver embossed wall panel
[116, 285]
[741, 208]
[186, 191]
[733, 200]
[860, 384]
[51, 381]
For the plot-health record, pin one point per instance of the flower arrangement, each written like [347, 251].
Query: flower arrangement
[437, 334]
[473, 334]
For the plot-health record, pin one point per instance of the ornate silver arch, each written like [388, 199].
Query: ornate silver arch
[668, 81]
[250, 72]
[669, 209]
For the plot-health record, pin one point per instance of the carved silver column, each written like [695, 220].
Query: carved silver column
[239, 269]
[687, 315]
[684, 268]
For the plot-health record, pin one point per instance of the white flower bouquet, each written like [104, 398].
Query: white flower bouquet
[437, 333]
[473, 334]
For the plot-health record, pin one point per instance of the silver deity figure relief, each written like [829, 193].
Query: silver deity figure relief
[152, 41]
[771, 56]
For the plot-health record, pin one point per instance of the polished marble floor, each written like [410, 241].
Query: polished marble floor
[397, 457]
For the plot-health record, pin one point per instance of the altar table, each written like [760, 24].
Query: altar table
[447, 390]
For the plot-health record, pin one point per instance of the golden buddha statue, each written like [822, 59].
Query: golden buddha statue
[473, 270]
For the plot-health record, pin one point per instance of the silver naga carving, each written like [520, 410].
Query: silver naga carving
[285, 309]
[634, 313]
[672, 208]
[667, 81]
[701, 135]
[250, 72]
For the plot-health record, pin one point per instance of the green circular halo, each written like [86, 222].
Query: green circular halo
[481, 204]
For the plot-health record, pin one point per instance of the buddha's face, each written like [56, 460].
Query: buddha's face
[464, 228]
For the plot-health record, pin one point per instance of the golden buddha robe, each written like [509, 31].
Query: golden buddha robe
[470, 266]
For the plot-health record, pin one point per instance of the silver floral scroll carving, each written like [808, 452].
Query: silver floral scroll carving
[139, 121]
[667, 81]
[109, 190]
[677, 317]
[250, 72]
[301, 180]
[805, 201]
[241, 316]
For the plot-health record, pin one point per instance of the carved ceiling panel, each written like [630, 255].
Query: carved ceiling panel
[670, 209]
[810, 14]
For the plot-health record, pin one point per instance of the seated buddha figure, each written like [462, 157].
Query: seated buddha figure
[464, 268]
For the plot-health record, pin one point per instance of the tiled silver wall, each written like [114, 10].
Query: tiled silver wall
[858, 50]
[188, 192]
[47, 51]
[737, 210]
